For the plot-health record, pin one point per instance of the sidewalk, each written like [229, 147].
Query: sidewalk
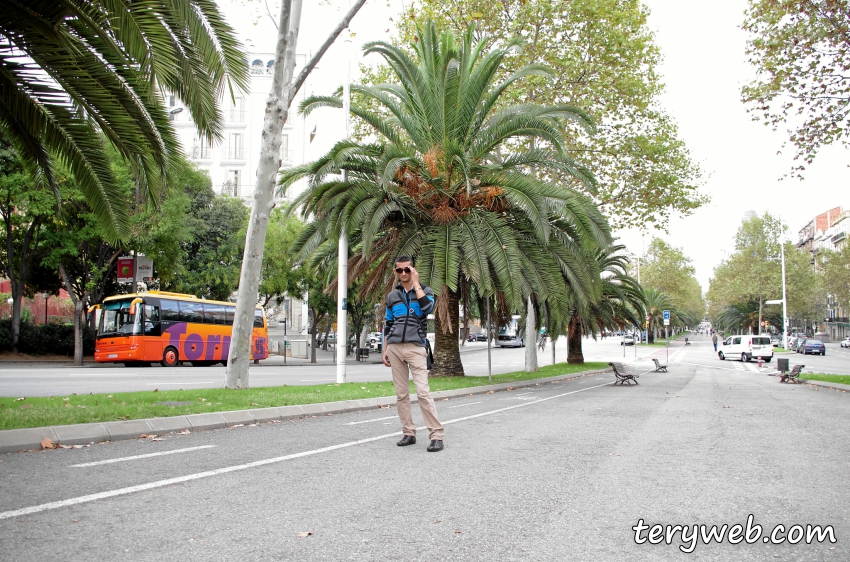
[15, 440]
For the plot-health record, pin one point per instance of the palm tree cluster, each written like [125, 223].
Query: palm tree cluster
[74, 74]
[461, 183]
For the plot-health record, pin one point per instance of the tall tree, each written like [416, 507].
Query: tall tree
[283, 90]
[620, 303]
[669, 270]
[27, 212]
[278, 260]
[753, 271]
[801, 52]
[444, 184]
[836, 275]
[604, 60]
[73, 70]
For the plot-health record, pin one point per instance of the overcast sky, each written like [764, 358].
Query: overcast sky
[704, 68]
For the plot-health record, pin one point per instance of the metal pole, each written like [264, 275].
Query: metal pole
[489, 360]
[667, 343]
[284, 340]
[784, 304]
[342, 271]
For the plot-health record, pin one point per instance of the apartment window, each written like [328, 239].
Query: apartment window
[285, 155]
[236, 111]
[233, 183]
[200, 149]
[171, 101]
[235, 148]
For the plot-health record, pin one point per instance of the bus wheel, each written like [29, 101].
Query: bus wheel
[170, 358]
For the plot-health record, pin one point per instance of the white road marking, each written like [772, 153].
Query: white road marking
[463, 405]
[735, 368]
[108, 461]
[199, 475]
[376, 419]
[752, 367]
[180, 383]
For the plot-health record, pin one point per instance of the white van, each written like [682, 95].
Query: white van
[746, 348]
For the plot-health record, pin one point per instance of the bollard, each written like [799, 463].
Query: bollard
[759, 362]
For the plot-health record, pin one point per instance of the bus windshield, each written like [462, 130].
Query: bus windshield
[117, 320]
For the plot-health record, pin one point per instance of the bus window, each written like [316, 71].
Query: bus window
[152, 325]
[229, 310]
[258, 318]
[191, 311]
[214, 313]
[170, 312]
[117, 320]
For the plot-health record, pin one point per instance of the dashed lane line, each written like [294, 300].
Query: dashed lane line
[374, 420]
[264, 462]
[147, 456]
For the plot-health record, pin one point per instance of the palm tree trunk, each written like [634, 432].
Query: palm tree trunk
[574, 333]
[447, 361]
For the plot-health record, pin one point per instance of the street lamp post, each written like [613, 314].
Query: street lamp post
[46, 296]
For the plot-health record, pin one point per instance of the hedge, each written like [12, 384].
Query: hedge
[45, 339]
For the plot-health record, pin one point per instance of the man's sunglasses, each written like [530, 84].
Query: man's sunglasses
[402, 270]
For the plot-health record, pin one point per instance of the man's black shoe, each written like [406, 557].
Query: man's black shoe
[435, 446]
[407, 440]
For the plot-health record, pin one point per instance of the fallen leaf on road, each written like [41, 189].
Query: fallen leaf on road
[157, 439]
[184, 432]
[238, 425]
[458, 532]
[725, 406]
[305, 534]
[438, 521]
[47, 443]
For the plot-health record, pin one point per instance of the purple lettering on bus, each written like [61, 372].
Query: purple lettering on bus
[212, 342]
[225, 348]
[174, 332]
[260, 348]
[193, 347]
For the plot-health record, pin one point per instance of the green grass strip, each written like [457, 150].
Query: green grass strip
[23, 412]
[840, 379]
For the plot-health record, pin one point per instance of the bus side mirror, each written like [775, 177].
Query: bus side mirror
[133, 306]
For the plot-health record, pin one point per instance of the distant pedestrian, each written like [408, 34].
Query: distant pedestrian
[405, 332]
[714, 341]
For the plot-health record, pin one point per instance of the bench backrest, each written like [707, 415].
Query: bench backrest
[796, 370]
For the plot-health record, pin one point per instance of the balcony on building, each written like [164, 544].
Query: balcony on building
[230, 152]
[199, 152]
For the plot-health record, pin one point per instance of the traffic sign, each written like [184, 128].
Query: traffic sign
[666, 317]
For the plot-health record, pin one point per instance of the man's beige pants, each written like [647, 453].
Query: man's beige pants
[402, 355]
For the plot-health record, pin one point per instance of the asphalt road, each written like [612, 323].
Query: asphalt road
[556, 472]
[45, 379]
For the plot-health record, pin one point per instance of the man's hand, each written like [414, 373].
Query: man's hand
[414, 277]
[385, 359]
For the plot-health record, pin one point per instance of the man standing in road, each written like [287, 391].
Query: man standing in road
[405, 331]
[714, 340]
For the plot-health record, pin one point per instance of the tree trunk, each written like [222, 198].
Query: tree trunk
[79, 303]
[574, 334]
[447, 361]
[650, 335]
[277, 106]
[17, 297]
[280, 99]
[530, 339]
[314, 330]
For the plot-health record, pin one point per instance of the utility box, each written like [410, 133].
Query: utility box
[782, 364]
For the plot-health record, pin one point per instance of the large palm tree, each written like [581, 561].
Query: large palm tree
[656, 303]
[73, 72]
[444, 184]
[619, 303]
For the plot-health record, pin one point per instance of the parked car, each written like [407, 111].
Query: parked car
[814, 347]
[775, 341]
[746, 347]
[477, 337]
[374, 337]
[627, 340]
[792, 341]
[799, 343]
[845, 342]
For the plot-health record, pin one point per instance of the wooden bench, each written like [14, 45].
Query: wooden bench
[793, 375]
[659, 368]
[621, 374]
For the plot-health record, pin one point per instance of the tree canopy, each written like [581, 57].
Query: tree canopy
[73, 71]
[801, 52]
[603, 59]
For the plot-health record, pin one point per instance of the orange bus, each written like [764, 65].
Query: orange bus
[143, 328]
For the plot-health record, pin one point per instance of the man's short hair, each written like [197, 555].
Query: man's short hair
[403, 259]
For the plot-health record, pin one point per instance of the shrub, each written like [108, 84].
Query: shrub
[43, 339]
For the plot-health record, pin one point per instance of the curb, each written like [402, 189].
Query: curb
[15, 440]
[825, 384]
